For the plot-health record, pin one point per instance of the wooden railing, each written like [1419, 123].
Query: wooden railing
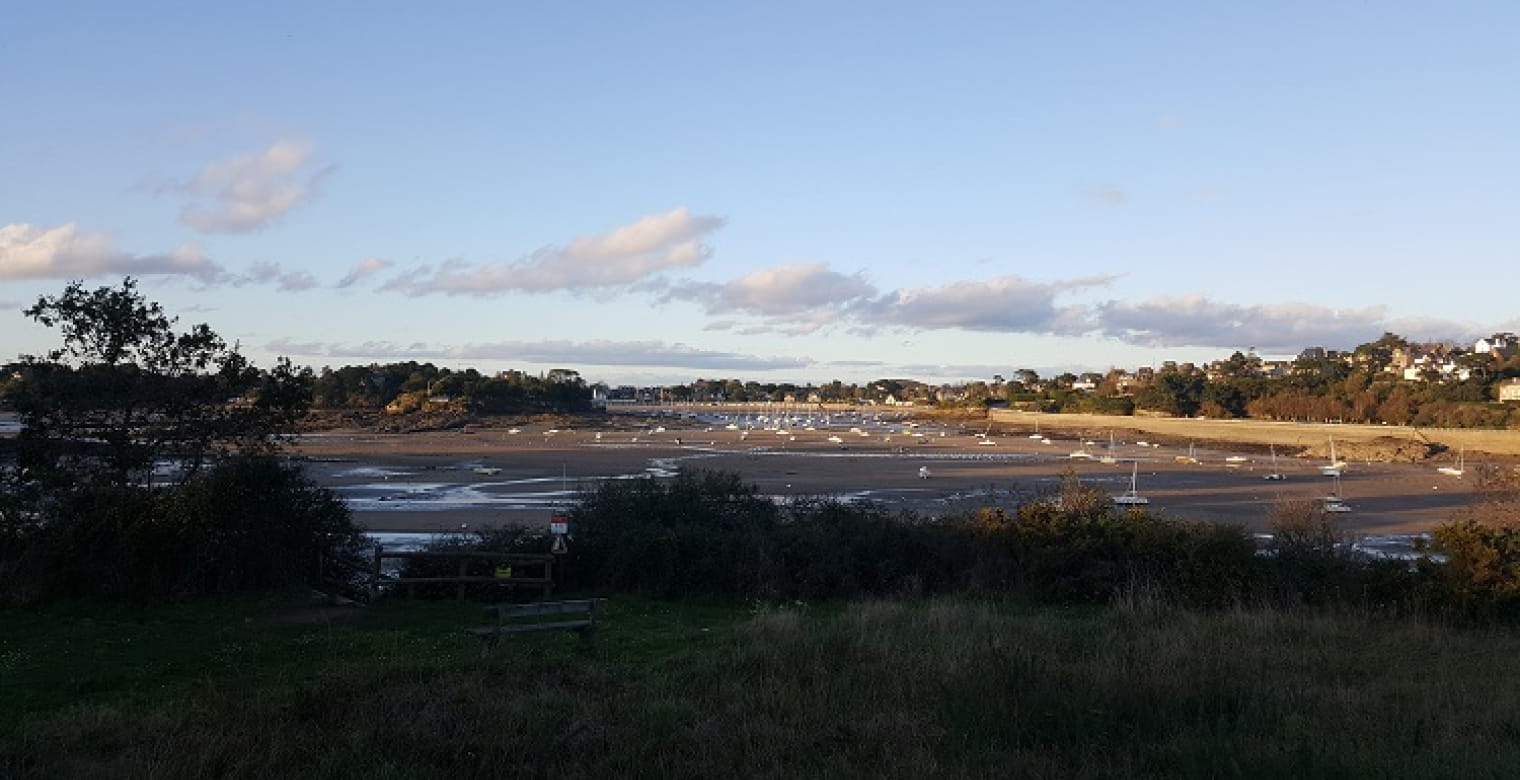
[368, 578]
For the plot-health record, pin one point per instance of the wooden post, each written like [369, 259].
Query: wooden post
[549, 575]
[459, 591]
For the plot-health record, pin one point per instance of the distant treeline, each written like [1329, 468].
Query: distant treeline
[1315, 390]
[1360, 386]
[413, 386]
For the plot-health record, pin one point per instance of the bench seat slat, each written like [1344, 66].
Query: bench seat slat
[564, 625]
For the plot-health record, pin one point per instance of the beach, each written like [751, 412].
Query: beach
[522, 473]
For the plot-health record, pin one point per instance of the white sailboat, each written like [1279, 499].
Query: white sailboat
[1333, 502]
[1191, 457]
[1336, 467]
[1108, 456]
[1459, 468]
[1274, 475]
[1132, 497]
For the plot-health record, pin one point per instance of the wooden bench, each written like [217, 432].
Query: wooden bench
[510, 619]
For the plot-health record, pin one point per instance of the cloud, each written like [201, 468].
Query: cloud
[1005, 304]
[780, 291]
[273, 273]
[364, 270]
[627, 254]
[1273, 327]
[551, 352]
[1109, 196]
[250, 191]
[64, 252]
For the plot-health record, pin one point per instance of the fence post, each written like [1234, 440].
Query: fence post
[459, 591]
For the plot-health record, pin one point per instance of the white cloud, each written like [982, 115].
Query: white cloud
[1274, 327]
[1006, 304]
[273, 273]
[250, 191]
[364, 270]
[65, 252]
[625, 255]
[780, 291]
[549, 352]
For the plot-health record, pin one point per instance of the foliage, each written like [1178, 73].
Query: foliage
[248, 523]
[126, 393]
[409, 386]
[701, 532]
[145, 465]
[1482, 547]
[1080, 548]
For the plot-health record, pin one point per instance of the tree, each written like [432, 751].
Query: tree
[126, 393]
[144, 466]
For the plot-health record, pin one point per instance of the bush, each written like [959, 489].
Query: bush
[701, 532]
[1080, 548]
[249, 523]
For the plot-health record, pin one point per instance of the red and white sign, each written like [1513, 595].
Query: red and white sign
[559, 526]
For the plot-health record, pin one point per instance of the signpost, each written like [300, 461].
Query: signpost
[559, 528]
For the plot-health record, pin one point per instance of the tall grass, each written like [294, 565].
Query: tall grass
[872, 689]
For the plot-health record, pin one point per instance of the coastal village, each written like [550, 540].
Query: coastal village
[1429, 362]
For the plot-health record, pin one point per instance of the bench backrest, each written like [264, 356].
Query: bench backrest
[509, 611]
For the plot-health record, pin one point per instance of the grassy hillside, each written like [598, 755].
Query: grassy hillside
[870, 689]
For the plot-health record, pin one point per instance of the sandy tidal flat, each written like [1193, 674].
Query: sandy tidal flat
[440, 481]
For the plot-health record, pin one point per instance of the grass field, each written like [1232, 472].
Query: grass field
[875, 689]
[1355, 441]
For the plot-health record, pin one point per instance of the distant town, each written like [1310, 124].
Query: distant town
[1489, 370]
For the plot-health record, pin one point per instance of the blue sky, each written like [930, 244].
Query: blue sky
[808, 191]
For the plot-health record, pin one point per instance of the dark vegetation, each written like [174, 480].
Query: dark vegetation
[146, 467]
[407, 387]
[710, 534]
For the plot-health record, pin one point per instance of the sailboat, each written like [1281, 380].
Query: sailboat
[1191, 457]
[1131, 497]
[1274, 474]
[1460, 467]
[1336, 466]
[1333, 502]
[1036, 434]
[1108, 457]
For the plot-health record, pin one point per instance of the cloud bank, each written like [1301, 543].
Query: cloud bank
[549, 352]
[66, 252]
[627, 254]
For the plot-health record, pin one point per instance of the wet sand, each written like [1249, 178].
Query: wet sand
[441, 481]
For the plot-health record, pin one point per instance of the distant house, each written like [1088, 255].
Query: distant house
[1509, 390]
[1502, 346]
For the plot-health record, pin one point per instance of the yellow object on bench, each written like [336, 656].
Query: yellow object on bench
[510, 619]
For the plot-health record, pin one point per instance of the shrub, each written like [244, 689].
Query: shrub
[249, 523]
[701, 532]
